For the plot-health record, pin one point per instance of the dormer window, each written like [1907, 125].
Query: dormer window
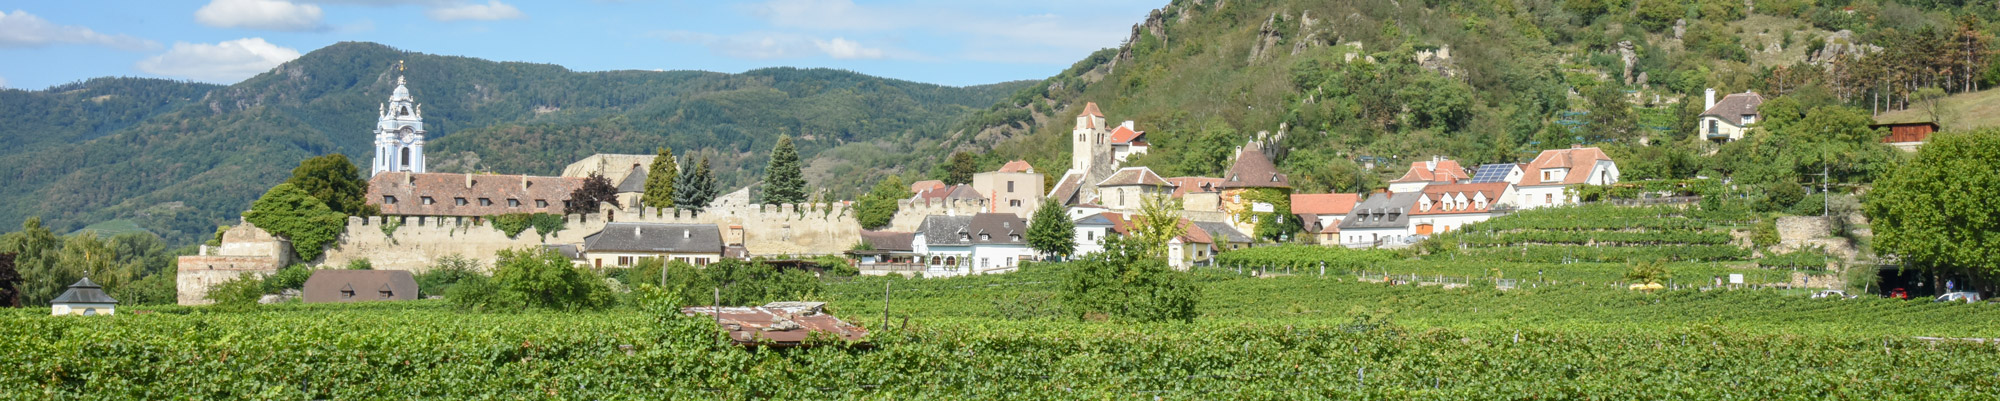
[513, 203]
[427, 200]
[388, 199]
[459, 200]
[485, 202]
[985, 237]
[541, 203]
[1749, 119]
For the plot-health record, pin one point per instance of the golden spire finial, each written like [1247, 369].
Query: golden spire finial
[399, 65]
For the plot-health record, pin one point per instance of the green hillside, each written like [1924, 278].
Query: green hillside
[1481, 82]
[179, 158]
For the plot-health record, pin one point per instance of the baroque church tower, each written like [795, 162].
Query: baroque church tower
[399, 133]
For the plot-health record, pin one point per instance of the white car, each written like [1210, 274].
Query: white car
[1835, 294]
[1960, 296]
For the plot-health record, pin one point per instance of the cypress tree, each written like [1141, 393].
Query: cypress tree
[660, 179]
[783, 180]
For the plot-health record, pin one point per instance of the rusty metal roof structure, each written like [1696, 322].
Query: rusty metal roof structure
[784, 324]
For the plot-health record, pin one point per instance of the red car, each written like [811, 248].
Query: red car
[1899, 294]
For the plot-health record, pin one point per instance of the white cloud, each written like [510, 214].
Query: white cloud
[842, 48]
[226, 62]
[21, 29]
[492, 10]
[276, 15]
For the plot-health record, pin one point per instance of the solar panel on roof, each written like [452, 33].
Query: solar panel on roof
[1491, 173]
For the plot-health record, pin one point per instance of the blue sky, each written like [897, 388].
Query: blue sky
[224, 41]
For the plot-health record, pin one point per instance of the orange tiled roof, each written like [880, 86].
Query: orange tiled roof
[1446, 171]
[1124, 135]
[1017, 166]
[1090, 109]
[1329, 204]
[1572, 158]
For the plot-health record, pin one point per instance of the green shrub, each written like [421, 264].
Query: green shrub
[544, 278]
[237, 293]
[447, 272]
[1122, 285]
[289, 278]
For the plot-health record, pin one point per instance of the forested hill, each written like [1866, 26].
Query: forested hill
[179, 158]
[1482, 81]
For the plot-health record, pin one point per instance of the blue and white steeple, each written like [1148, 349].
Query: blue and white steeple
[399, 133]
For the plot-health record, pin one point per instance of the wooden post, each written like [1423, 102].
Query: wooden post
[718, 315]
[885, 306]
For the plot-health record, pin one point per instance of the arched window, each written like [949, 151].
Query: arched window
[951, 261]
[934, 260]
[406, 157]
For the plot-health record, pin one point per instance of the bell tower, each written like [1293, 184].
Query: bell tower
[1087, 142]
[399, 132]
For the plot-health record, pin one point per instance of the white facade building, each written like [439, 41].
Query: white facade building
[399, 134]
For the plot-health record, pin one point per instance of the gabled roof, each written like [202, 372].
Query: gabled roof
[570, 251]
[1134, 176]
[1066, 189]
[1221, 231]
[1124, 135]
[1017, 166]
[1090, 109]
[341, 285]
[925, 185]
[1734, 106]
[979, 229]
[1185, 185]
[1116, 221]
[955, 192]
[1445, 170]
[891, 241]
[1578, 159]
[655, 237]
[634, 182]
[1193, 234]
[83, 292]
[1253, 170]
[1437, 194]
[1381, 210]
[443, 188]
[1324, 203]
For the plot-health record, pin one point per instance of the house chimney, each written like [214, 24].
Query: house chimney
[685, 234]
[638, 233]
[468, 181]
[524, 183]
[1710, 104]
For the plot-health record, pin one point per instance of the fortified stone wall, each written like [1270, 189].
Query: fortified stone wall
[807, 229]
[245, 249]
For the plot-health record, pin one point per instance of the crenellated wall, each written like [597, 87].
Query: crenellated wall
[805, 229]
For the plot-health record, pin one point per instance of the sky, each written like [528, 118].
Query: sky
[958, 43]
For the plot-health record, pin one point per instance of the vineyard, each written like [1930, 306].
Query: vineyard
[981, 337]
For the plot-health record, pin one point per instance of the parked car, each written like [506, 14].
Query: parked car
[1835, 294]
[1960, 296]
[1899, 294]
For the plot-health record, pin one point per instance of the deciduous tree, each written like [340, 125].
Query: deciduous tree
[878, 207]
[336, 182]
[1936, 210]
[1051, 232]
[585, 199]
[962, 168]
[289, 212]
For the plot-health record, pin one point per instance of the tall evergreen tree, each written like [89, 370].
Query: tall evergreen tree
[595, 190]
[705, 185]
[784, 182]
[660, 179]
[696, 186]
[336, 182]
[1051, 232]
[962, 168]
[10, 282]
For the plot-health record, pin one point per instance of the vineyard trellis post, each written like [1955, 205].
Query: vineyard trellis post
[885, 306]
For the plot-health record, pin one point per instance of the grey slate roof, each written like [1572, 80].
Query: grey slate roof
[634, 182]
[1218, 230]
[1094, 220]
[1734, 106]
[567, 250]
[1381, 211]
[1253, 170]
[655, 237]
[84, 292]
[980, 229]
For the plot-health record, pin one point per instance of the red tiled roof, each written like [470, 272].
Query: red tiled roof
[925, 186]
[1090, 109]
[1124, 135]
[1118, 223]
[1572, 158]
[1437, 193]
[1194, 235]
[1134, 176]
[1184, 185]
[1446, 171]
[1017, 166]
[1333, 204]
[445, 189]
[960, 191]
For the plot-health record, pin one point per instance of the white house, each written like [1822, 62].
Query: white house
[1729, 119]
[1127, 142]
[1381, 220]
[980, 244]
[1091, 231]
[1442, 208]
[1547, 180]
[83, 299]
[1437, 170]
